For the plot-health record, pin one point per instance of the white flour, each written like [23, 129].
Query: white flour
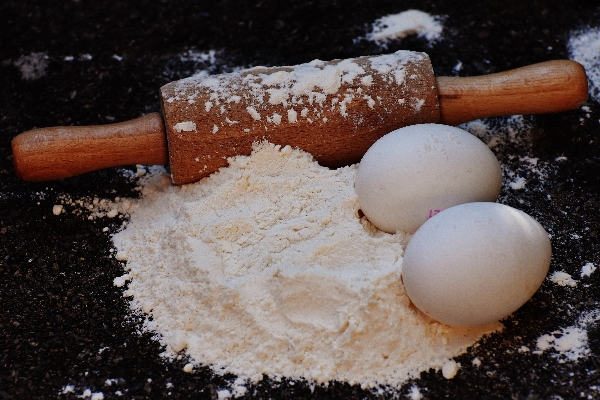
[411, 22]
[588, 269]
[512, 132]
[584, 47]
[32, 66]
[266, 267]
[94, 207]
[570, 343]
[561, 278]
[193, 62]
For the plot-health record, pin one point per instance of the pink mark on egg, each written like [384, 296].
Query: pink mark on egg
[433, 212]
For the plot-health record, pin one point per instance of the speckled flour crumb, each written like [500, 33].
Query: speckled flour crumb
[587, 270]
[32, 66]
[401, 25]
[512, 136]
[569, 344]
[86, 393]
[415, 393]
[498, 133]
[93, 207]
[450, 369]
[266, 267]
[584, 47]
[561, 278]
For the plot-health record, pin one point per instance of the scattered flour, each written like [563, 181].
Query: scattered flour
[199, 57]
[32, 66]
[518, 183]
[266, 267]
[239, 387]
[450, 369]
[498, 133]
[570, 343]
[411, 22]
[86, 393]
[67, 389]
[512, 137]
[94, 396]
[523, 349]
[193, 62]
[94, 207]
[562, 279]
[588, 269]
[584, 47]
[415, 393]
[186, 126]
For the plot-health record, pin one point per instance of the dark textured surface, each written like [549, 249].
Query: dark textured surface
[62, 322]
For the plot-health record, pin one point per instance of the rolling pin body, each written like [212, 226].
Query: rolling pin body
[334, 110]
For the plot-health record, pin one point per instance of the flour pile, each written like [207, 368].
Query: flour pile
[266, 267]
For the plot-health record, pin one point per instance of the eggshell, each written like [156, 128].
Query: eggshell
[475, 263]
[415, 172]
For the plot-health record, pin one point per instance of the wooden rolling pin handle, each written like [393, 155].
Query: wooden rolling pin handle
[547, 87]
[61, 152]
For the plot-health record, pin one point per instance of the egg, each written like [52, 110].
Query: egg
[413, 173]
[475, 263]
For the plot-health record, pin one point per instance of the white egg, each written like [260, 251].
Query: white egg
[415, 172]
[475, 263]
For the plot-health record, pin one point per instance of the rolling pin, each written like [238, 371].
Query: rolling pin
[334, 110]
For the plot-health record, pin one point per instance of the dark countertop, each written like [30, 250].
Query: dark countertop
[102, 62]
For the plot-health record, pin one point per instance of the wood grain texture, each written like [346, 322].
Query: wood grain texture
[547, 87]
[65, 151]
[212, 118]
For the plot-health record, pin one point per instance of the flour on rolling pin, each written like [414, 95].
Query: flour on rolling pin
[344, 104]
